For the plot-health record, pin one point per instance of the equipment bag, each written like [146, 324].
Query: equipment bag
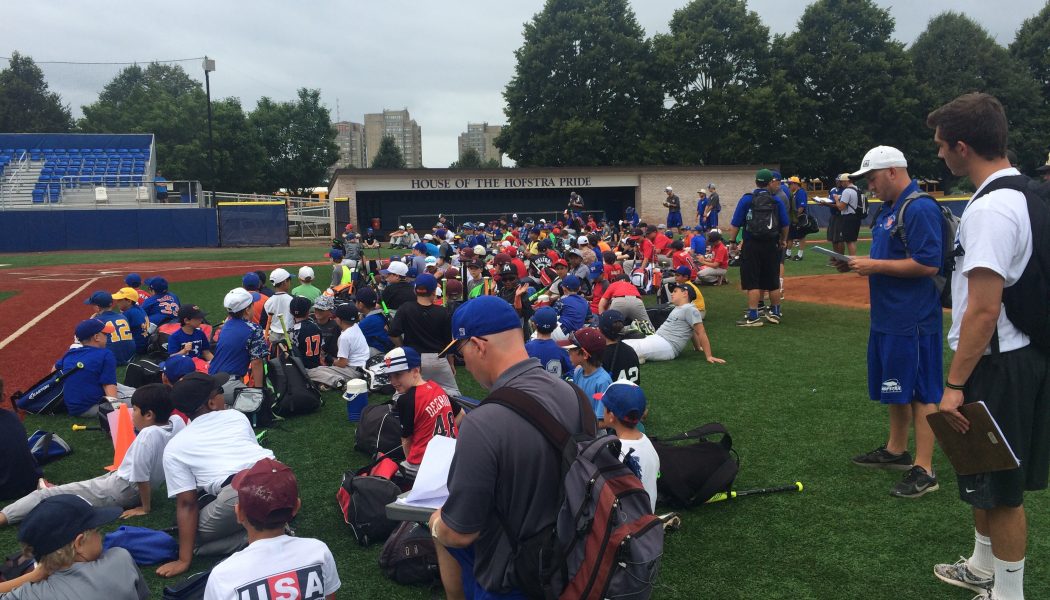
[379, 430]
[45, 396]
[191, 588]
[294, 392]
[949, 228]
[363, 496]
[807, 224]
[764, 222]
[255, 403]
[692, 474]
[409, 557]
[606, 542]
[47, 447]
[659, 313]
[146, 546]
[143, 370]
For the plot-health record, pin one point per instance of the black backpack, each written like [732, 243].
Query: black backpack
[294, 392]
[143, 370]
[949, 226]
[379, 430]
[862, 204]
[191, 588]
[764, 222]
[692, 474]
[362, 498]
[409, 557]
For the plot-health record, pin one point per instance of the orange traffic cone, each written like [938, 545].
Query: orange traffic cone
[125, 435]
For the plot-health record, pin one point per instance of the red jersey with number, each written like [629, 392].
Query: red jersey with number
[143, 296]
[425, 412]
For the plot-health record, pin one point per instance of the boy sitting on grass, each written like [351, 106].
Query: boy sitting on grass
[586, 347]
[62, 534]
[624, 407]
[555, 360]
[190, 340]
[274, 564]
[128, 487]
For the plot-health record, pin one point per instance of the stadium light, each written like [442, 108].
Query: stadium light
[209, 66]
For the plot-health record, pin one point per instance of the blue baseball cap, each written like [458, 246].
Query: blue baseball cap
[777, 175]
[177, 366]
[100, 299]
[684, 271]
[571, 282]
[58, 520]
[250, 281]
[336, 254]
[91, 327]
[545, 319]
[366, 295]
[479, 317]
[133, 280]
[427, 282]
[420, 246]
[158, 284]
[397, 360]
[625, 400]
[441, 233]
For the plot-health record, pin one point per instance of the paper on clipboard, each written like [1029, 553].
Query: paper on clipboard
[430, 488]
[831, 254]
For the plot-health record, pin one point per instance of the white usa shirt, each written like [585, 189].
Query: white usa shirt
[280, 568]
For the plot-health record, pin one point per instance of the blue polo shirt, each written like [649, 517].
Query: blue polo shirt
[83, 388]
[373, 327]
[239, 342]
[743, 208]
[161, 308]
[137, 320]
[121, 343]
[899, 305]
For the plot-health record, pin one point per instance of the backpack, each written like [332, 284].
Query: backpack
[862, 204]
[295, 393]
[146, 546]
[379, 430]
[764, 221]
[949, 227]
[47, 447]
[409, 557]
[191, 588]
[143, 370]
[255, 403]
[363, 496]
[45, 396]
[606, 542]
[691, 474]
[659, 313]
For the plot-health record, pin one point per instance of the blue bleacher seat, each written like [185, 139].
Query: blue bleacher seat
[38, 196]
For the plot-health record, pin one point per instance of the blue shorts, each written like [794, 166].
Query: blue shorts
[471, 588]
[905, 368]
[674, 219]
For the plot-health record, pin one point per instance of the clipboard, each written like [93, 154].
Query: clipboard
[982, 449]
[831, 254]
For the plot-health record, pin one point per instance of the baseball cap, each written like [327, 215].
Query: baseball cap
[306, 272]
[194, 389]
[711, 186]
[475, 264]
[190, 311]
[58, 520]
[158, 284]
[100, 299]
[395, 267]
[349, 227]
[561, 263]
[408, 225]
[279, 275]
[401, 227]
[133, 280]
[427, 282]
[545, 319]
[880, 157]
[366, 295]
[574, 252]
[326, 302]
[688, 290]
[508, 269]
[763, 176]
[267, 492]
[777, 175]
[430, 261]
[177, 366]
[588, 339]
[335, 254]
[453, 287]
[607, 323]
[572, 282]
[91, 327]
[441, 233]
[126, 293]
[684, 271]
[300, 306]
[346, 312]
[479, 317]
[237, 300]
[428, 237]
[668, 189]
[625, 400]
[479, 250]
[582, 240]
[794, 179]
[250, 281]
[421, 247]
[398, 360]
[842, 177]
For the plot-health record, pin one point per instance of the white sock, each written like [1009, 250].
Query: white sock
[1009, 580]
[799, 252]
[980, 563]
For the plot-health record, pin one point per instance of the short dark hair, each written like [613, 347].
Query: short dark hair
[976, 119]
[275, 520]
[154, 397]
[677, 245]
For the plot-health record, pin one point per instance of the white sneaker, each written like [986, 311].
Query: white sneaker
[960, 575]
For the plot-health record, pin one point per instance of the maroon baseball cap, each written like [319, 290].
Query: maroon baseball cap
[589, 339]
[267, 492]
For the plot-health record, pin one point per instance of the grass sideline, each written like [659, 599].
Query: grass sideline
[794, 398]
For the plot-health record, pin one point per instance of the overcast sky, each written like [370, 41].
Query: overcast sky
[446, 61]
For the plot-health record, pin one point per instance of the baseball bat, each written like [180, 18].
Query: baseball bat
[85, 428]
[732, 495]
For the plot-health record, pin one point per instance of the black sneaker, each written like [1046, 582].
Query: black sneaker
[749, 322]
[880, 458]
[915, 483]
[772, 317]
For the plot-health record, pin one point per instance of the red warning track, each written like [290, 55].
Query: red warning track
[27, 356]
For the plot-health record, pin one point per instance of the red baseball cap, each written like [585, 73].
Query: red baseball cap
[267, 492]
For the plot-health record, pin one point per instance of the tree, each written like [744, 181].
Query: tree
[470, 159]
[299, 140]
[856, 85]
[27, 105]
[389, 155]
[240, 158]
[583, 91]
[1030, 47]
[956, 55]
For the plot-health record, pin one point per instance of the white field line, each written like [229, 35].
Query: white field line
[43, 315]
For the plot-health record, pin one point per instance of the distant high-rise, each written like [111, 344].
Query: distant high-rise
[399, 125]
[350, 137]
[481, 137]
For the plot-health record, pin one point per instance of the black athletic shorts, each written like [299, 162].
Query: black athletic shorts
[1015, 386]
[844, 228]
[760, 265]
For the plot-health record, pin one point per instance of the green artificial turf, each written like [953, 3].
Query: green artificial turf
[794, 398]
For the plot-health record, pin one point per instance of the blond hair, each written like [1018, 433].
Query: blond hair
[63, 558]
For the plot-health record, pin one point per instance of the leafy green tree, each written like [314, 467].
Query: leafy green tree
[492, 163]
[470, 159]
[27, 105]
[583, 91]
[1031, 48]
[856, 85]
[299, 140]
[389, 155]
[957, 55]
[240, 158]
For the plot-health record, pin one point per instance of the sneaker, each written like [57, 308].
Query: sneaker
[880, 458]
[748, 322]
[772, 318]
[796, 258]
[916, 482]
[960, 575]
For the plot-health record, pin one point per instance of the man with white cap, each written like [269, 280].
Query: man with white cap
[398, 237]
[905, 354]
[397, 290]
[306, 289]
[846, 228]
[674, 210]
[241, 348]
[278, 307]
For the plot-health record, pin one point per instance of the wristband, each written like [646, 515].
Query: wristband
[952, 386]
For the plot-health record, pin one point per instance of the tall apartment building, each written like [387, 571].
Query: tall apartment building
[481, 137]
[350, 137]
[400, 126]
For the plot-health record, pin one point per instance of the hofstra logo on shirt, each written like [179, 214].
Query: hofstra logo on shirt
[303, 584]
[891, 386]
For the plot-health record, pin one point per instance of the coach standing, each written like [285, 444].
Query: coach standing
[994, 361]
[905, 355]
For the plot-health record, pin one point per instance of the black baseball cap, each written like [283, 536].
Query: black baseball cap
[190, 311]
[300, 306]
[346, 312]
[193, 390]
[58, 520]
[688, 290]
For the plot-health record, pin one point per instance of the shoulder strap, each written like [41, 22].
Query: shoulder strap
[532, 411]
[899, 227]
[700, 433]
[1010, 182]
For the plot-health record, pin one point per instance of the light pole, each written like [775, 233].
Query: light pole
[209, 66]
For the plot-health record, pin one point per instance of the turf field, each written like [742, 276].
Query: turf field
[793, 396]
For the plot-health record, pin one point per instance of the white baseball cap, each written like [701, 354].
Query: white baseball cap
[668, 189]
[306, 272]
[880, 157]
[842, 177]
[279, 275]
[395, 267]
[505, 243]
[428, 237]
[430, 260]
[479, 250]
[401, 227]
[582, 240]
[237, 300]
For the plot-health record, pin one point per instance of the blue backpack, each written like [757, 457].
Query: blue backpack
[45, 397]
[47, 447]
[146, 546]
